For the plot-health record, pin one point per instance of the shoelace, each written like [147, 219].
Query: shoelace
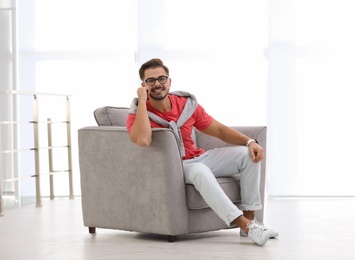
[257, 228]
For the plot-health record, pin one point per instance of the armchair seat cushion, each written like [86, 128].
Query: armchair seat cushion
[230, 185]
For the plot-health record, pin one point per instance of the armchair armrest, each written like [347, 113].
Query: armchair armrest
[255, 132]
[124, 185]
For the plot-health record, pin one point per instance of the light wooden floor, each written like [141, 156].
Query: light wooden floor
[309, 229]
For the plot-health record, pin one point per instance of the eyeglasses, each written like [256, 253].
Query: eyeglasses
[160, 79]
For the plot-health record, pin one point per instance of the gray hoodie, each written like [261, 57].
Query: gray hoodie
[187, 112]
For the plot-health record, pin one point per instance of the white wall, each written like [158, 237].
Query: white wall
[310, 118]
[284, 64]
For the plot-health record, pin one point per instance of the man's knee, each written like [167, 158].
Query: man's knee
[196, 172]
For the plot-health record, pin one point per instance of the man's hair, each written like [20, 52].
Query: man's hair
[152, 64]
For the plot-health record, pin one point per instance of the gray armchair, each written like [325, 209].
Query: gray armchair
[132, 188]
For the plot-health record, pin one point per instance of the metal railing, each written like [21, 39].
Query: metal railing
[36, 148]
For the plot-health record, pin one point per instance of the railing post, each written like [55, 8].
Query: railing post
[71, 193]
[36, 151]
[1, 201]
[50, 158]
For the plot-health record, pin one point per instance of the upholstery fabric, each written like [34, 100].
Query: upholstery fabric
[111, 116]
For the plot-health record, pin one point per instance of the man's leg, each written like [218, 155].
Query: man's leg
[249, 214]
[205, 182]
[229, 161]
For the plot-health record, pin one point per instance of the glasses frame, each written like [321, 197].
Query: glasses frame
[161, 79]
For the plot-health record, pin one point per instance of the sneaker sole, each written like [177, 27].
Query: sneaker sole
[243, 234]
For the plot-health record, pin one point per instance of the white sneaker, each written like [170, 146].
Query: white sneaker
[274, 233]
[259, 234]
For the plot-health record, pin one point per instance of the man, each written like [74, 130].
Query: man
[156, 107]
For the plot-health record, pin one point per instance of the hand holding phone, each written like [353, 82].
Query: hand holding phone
[143, 93]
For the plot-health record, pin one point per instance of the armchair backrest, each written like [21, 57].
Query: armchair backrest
[111, 116]
[116, 116]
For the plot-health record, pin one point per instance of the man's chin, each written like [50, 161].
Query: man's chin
[158, 97]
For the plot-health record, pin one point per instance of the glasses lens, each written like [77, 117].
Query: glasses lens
[162, 79]
[150, 81]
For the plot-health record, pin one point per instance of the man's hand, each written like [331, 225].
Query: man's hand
[143, 93]
[256, 152]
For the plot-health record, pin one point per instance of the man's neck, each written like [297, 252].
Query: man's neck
[161, 105]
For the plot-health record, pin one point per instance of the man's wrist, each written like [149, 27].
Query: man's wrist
[251, 141]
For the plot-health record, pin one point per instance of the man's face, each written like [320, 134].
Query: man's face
[157, 82]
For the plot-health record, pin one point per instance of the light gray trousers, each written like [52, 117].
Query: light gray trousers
[223, 162]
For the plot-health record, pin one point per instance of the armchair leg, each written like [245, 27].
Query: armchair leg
[92, 230]
[171, 239]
